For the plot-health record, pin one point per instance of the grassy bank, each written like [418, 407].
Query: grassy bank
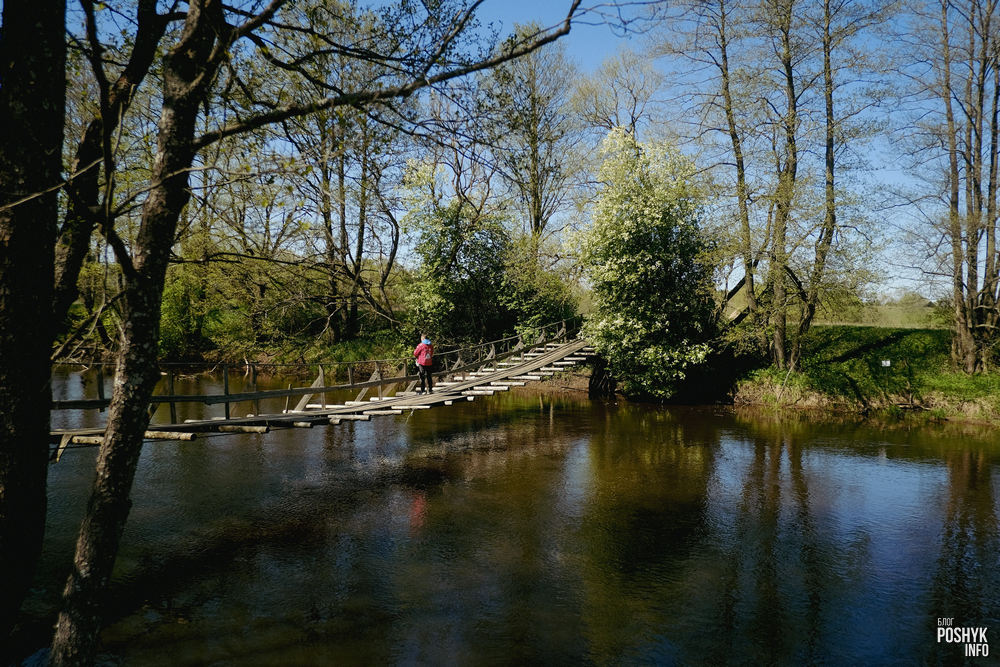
[845, 367]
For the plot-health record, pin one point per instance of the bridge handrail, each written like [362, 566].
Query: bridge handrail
[228, 398]
[267, 364]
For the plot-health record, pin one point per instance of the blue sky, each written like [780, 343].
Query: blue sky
[589, 45]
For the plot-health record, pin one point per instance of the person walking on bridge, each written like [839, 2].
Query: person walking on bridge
[424, 353]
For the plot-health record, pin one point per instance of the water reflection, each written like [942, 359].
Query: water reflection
[968, 567]
[519, 529]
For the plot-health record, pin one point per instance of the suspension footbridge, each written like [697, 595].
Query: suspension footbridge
[464, 374]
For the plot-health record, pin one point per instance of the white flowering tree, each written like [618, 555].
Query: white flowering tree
[644, 258]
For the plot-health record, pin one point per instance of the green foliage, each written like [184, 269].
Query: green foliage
[537, 296]
[644, 259]
[477, 281]
[909, 310]
[842, 365]
[457, 292]
[182, 316]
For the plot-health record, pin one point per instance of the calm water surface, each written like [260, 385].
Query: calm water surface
[516, 530]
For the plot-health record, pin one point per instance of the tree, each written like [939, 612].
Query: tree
[644, 259]
[32, 105]
[415, 48]
[532, 135]
[622, 93]
[478, 276]
[956, 81]
[458, 292]
[782, 84]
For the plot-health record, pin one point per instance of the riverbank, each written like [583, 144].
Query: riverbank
[874, 371]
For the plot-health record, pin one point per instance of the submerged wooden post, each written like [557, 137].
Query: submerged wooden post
[253, 378]
[225, 385]
[100, 382]
[322, 383]
[170, 390]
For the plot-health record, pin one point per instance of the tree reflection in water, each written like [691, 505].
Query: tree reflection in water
[551, 530]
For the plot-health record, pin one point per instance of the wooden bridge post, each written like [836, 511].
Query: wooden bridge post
[100, 382]
[378, 371]
[253, 379]
[350, 373]
[322, 383]
[170, 390]
[225, 385]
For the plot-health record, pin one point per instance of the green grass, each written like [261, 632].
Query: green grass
[844, 365]
[849, 361]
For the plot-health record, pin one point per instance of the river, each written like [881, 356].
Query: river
[550, 529]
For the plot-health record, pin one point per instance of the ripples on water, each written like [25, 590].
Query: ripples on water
[517, 529]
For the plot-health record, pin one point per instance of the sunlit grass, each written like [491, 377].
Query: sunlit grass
[879, 367]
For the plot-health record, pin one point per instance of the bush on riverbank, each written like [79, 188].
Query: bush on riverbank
[844, 367]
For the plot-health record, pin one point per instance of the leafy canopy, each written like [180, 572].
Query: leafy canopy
[644, 258]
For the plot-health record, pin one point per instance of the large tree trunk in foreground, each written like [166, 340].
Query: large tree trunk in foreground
[97, 545]
[32, 90]
[186, 77]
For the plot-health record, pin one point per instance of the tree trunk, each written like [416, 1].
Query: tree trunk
[742, 195]
[963, 344]
[107, 510]
[825, 240]
[332, 250]
[94, 148]
[32, 109]
[785, 193]
[186, 76]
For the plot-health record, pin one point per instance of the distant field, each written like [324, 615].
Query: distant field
[906, 314]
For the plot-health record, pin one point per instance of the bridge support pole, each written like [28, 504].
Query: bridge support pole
[225, 385]
[170, 390]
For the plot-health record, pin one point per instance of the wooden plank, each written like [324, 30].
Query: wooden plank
[148, 435]
[413, 407]
[87, 439]
[63, 443]
[383, 412]
[242, 428]
[336, 419]
[169, 435]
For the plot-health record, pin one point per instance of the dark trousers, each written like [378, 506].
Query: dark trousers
[425, 377]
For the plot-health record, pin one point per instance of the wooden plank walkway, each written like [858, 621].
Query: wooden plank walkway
[531, 365]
